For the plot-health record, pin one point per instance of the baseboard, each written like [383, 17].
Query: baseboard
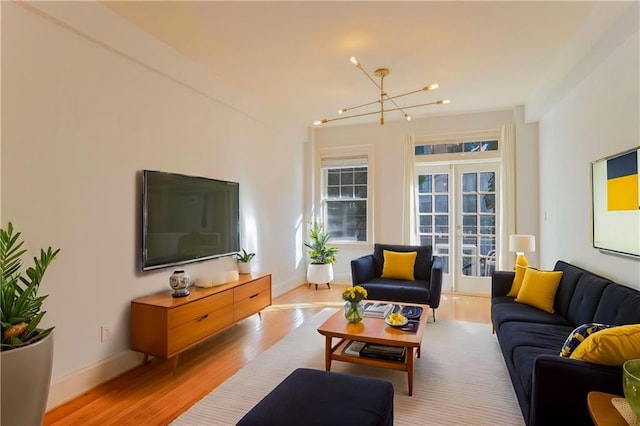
[71, 386]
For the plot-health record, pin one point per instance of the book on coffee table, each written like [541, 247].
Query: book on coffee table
[354, 348]
[393, 353]
[377, 310]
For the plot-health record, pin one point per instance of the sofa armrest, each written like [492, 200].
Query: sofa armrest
[363, 269]
[435, 282]
[501, 283]
[560, 386]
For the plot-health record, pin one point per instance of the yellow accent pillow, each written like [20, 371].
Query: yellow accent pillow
[521, 266]
[612, 346]
[398, 265]
[539, 288]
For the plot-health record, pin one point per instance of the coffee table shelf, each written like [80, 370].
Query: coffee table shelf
[371, 330]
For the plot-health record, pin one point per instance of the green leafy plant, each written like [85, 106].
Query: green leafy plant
[320, 252]
[21, 311]
[244, 257]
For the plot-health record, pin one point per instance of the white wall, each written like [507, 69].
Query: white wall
[598, 118]
[388, 177]
[82, 114]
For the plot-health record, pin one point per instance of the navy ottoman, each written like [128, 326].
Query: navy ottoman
[315, 397]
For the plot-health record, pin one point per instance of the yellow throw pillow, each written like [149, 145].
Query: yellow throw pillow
[398, 265]
[539, 288]
[612, 346]
[521, 266]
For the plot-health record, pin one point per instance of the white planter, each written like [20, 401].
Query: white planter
[320, 274]
[244, 267]
[25, 381]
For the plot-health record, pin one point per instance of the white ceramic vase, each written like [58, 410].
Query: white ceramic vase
[25, 381]
[244, 267]
[320, 273]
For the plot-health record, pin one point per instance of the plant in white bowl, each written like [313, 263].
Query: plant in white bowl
[320, 271]
[243, 260]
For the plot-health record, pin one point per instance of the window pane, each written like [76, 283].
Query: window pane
[469, 182]
[441, 224]
[424, 183]
[333, 191]
[469, 224]
[360, 178]
[441, 182]
[360, 192]
[347, 192]
[425, 224]
[488, 203]
[425, 204]
[490, 145]
[347, 220]
[487, 224]
[442, 203]
[346, 177]
[487, 182]
[333, 177]
[469, 203]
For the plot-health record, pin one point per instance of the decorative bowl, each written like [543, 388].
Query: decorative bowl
[389, 320]
[631, 384]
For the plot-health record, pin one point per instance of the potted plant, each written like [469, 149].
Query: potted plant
[26, 351]
[320, 271]
[243, 260]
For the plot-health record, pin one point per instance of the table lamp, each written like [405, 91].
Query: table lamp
[521, 244]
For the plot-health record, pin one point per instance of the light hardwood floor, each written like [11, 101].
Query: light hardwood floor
[151, 395]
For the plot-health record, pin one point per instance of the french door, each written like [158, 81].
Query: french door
[458, 215]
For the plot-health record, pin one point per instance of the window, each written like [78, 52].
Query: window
[346, 195]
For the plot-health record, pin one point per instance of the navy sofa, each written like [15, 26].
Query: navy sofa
[553, 389]
[425, 289]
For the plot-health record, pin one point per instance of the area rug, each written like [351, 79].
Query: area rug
[460, 378]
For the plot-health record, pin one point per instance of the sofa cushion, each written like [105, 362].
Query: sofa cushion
[398, 290]
[505, 309]
[422, 270]
[578, 335]
[612, 346]
[398, 265]
[585, 299]
[521, 268]
[619, 305]
[570, 276]
[524, 358]
[539, 288]
[546, 336]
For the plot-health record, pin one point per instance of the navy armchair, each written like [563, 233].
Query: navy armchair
[366, 271]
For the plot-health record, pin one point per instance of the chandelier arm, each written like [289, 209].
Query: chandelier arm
[368, 76]
[327, 120]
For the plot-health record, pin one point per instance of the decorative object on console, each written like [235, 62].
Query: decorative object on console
[631, 385]
[320, 271]
[244, 261]
[179, 281]
[354, 308]
[381, 73]
[26, 352]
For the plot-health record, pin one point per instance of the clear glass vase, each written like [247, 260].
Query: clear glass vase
[353, 311]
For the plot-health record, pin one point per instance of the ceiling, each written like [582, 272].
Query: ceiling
[294, 56]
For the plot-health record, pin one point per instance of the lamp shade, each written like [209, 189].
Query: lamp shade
[522, 243]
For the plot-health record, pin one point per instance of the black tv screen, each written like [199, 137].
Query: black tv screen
[187, 219]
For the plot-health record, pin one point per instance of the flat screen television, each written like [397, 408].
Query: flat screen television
[616, 203]
[187, 219]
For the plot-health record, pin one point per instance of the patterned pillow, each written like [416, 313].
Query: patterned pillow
[578, 335]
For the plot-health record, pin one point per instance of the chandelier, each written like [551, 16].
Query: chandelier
[381, 73]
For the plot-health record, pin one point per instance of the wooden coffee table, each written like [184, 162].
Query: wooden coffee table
[372, 330]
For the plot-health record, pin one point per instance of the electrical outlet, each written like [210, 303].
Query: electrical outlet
[105, 334]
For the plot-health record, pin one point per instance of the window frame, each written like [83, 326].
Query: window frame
[336, 155]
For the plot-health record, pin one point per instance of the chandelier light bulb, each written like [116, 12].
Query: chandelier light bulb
[407, 117]
[342, 111]
[443, 101]
[433, 86]
[354, 61]
[317, 122]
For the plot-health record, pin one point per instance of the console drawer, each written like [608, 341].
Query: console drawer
[251, 289]
[199, 328]
[251, 305]
[191, 311]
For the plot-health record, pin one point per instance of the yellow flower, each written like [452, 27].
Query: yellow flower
[354, 294]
